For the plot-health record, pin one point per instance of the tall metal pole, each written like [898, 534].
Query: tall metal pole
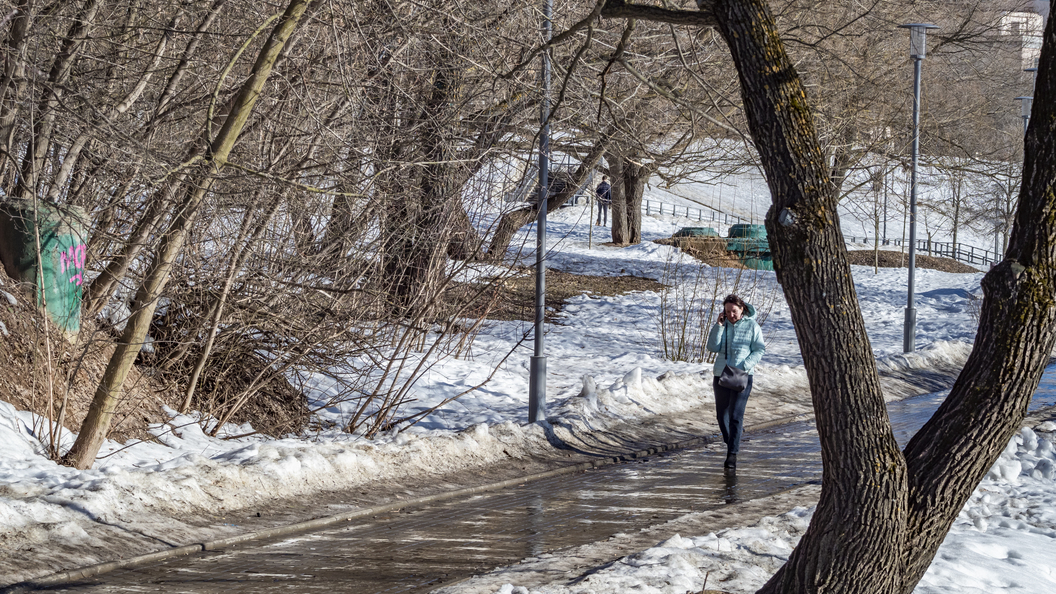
[885, 204]
[537, 369]
[997, 243]
[917, 37]
[910, 331]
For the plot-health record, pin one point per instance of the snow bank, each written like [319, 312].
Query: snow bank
[1005, 538]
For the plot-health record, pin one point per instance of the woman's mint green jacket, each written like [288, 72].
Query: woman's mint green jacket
[746, 342]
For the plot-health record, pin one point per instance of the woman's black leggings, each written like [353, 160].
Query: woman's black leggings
[729, 410]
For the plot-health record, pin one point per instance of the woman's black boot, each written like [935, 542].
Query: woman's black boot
[731, 461]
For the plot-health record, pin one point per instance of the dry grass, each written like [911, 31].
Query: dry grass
[513, 298]
[712, 251]
[78, 366]
[709, 250]
[75, 371]
[892, 259]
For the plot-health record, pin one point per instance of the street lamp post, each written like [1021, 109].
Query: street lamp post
[537, 367]
[885, 203]
[1025, 104]
[917, 35]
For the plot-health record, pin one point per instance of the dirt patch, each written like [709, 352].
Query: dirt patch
[513, 298]
[709, 250]
[712, 251]
[75, 370]
[891, 259]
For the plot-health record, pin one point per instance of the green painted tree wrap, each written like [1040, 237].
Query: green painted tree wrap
[58, 273]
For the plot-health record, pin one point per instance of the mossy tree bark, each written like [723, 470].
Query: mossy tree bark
[620, 226]
[883, 513]
[948, 457]
[97, 422]
[628, 183]
[853, 539]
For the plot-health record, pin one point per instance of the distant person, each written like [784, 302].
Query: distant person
[738, 340]
[604, 192]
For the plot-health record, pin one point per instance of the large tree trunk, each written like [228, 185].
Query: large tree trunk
[634, 178]
[1017, 331]
[861, 512]
[419, 222]
[629, 176]
[618, 208]
[422, 212]
[882, 515]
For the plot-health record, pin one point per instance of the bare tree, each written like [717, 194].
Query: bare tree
[95, 426]
[293, 213]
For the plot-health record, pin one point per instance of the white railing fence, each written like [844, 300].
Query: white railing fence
[652, 207]
[942, 249]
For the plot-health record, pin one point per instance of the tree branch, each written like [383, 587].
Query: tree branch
[704, 17]
[557, 39]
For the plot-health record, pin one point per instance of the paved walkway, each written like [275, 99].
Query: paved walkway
[420, 549]
[416, 550]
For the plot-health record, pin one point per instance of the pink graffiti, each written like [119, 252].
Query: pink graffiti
[73, 260]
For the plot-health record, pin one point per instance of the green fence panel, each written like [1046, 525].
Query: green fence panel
[764, 262]
[62, 255]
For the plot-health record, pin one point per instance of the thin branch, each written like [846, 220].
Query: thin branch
[568, 74]
[617, 55]
[558, 39]
[704, 17]
[676, 99]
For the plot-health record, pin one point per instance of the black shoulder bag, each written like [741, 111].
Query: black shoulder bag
[732, 378]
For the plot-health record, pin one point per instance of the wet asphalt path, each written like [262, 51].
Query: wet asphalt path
[419, 549]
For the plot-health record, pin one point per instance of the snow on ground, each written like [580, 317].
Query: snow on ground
[605, 368]
[744, 194]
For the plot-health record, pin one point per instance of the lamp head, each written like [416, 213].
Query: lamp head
[917, 35]
[1025, 104]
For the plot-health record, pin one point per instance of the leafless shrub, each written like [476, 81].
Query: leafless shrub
[693, 301]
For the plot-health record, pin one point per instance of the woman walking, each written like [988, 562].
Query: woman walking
[738, 340]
